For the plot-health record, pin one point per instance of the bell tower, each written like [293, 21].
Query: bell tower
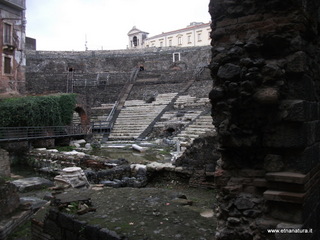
[136, 38]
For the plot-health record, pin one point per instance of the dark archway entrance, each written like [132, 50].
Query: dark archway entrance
[82, 115]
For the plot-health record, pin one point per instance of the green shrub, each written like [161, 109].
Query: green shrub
[53, 110]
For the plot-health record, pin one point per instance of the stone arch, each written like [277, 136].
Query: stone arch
[84, 120]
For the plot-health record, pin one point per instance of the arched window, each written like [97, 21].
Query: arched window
[135, 41]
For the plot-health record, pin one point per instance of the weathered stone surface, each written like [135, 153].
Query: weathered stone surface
[297, 63]
[229, 71]
[9, 198]
[267, 96]
[33, 203]
[288, 177]
[284, 196]
[267, 112]
[273, 163]
[243, 203]
[4, 163]
[32, 183]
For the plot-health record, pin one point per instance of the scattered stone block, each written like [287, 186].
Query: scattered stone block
[32, 203]
[32, 183]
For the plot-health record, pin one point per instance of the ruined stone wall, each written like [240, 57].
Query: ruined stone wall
[265, 106]
[4, 163]
[48, 72]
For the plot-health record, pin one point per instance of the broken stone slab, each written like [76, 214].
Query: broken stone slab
[32, 183]
[155, 166]
[139, 148]
[81, 141]
[74, 153]
[32, 203]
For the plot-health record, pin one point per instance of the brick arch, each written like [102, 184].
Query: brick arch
[83, 115]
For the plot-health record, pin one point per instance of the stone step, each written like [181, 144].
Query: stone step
[193, 132]
[200, 126]
[282, 196]
[126, 115]
[288, 177]
[124, 119]
[122, 137]
[187, 135]
[124, 131]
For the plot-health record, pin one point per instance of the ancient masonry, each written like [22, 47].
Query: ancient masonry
[265, 106]
[179, 79]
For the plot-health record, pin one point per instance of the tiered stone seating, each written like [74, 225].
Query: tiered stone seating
[176, 117]
[136, 116]
[187, 101]
[200, 126]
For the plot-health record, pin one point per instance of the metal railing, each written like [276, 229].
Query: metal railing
[26, 133]
[108, 123]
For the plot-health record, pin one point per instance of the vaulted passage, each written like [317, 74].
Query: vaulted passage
[265, 106]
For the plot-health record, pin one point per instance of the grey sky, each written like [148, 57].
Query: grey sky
[65, 24]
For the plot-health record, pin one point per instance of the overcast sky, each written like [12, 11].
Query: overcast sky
[66, 24]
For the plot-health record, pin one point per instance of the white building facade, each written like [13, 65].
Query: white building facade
[196, 34]
[136, 38]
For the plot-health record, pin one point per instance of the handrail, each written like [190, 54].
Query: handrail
[25, 133]
[115, 105]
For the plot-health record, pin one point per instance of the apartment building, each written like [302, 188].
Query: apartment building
[12, 45]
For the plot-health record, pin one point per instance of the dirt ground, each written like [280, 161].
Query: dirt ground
[175, 212]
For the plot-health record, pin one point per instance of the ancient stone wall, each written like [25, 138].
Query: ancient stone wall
[9, 198]
[99, 76]
[265, 106]
[4, 163]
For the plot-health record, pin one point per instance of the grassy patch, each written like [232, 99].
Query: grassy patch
[65, 148]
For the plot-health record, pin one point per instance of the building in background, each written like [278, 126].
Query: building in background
[136, 38]
[12, 46]
[196, 34]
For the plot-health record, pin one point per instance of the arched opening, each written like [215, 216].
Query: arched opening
[80, 116]
[135, 41]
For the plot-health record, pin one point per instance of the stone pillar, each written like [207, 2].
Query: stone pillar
[4, 163]
[265, 106]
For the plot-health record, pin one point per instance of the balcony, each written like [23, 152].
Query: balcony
[19, 4]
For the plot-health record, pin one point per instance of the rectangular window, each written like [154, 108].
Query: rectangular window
[7, 33]
[7, 65]
[199, 37]
[161, 44]
[179, 40]
[176, 57]
[189, 38]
